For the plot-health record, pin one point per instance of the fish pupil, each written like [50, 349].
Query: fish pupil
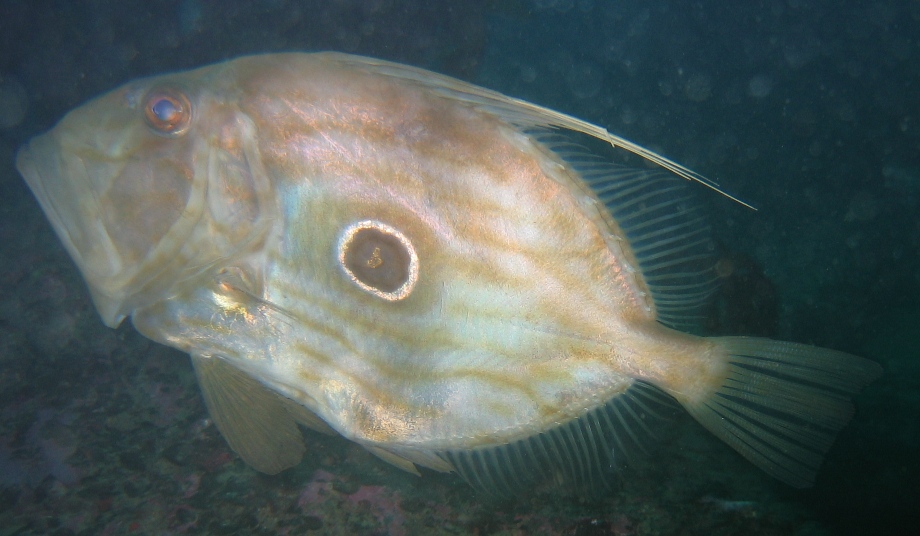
[167, 112]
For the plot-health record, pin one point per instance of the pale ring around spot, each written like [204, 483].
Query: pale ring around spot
[348, 234]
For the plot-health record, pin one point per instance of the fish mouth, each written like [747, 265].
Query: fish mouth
[93, 202]
[65, 194]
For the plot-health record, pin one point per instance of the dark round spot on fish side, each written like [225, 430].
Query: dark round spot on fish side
[167, 111]
[377, 259]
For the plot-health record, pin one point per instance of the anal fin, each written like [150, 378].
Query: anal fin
[582, 454]
[254, 420]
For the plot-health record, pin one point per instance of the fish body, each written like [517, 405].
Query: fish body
[418, 264]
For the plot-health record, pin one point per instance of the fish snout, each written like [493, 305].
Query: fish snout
[115, 215]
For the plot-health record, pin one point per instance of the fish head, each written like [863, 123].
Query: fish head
[129, 180]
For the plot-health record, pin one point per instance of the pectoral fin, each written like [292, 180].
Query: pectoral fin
[253, 420]
[306, 417]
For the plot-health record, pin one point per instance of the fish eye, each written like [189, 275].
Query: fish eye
[378, 259]
[167, 111]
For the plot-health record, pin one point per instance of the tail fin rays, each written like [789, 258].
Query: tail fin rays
[783, 403]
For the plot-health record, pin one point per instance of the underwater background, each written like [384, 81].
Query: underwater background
[807, 109]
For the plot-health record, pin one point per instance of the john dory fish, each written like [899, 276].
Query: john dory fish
[428, 268]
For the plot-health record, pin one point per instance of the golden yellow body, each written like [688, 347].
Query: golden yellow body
[413, 263]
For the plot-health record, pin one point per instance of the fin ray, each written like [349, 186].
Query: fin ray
[520, 113]
[654, 212]
[581, 453]
[781, 404]
[254, 420]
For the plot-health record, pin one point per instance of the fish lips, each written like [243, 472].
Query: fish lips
[61, 187]
[105, 234]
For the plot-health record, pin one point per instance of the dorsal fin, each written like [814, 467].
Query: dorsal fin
[253, 420]
[664, 226]
[517, 112]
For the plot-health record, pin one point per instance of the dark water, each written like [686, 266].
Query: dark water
[806, 109]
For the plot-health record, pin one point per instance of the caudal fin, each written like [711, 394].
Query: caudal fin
[782, 404]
